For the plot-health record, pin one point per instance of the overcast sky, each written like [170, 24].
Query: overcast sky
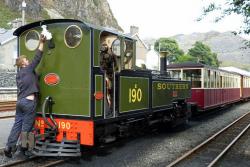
[164, 18]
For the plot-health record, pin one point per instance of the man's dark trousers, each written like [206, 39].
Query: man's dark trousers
[25, 116]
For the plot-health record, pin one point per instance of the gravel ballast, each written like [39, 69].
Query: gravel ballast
[160, 149]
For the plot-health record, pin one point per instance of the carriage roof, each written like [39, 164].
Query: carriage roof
[199, 65]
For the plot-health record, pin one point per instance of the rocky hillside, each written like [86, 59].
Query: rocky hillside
[229, 47]
[96, 12]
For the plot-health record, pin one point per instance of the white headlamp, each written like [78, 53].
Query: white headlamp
[46, 33]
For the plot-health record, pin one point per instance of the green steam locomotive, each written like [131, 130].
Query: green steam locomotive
[91, 91]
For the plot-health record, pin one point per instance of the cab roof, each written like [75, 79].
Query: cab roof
[21, 29]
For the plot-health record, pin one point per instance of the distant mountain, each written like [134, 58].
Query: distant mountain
[229, 47]
[96, 12]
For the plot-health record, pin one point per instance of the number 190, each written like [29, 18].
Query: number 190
[135, 94]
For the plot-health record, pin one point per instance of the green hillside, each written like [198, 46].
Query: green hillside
[6, 15]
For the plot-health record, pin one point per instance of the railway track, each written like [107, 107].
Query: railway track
[7, 106]
[214, 148]
[32, 161]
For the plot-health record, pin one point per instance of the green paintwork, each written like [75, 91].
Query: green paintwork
[72, 94]
[165, 92]
[136, 83]
[98, 88]
[97, 48]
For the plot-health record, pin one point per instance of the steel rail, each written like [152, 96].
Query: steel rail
[228, 147]
[13, 162]
[55, 163]
[23, 161]
[27, 160]
[8, 90]
[7, 116]
[7, 106]
[18, 162]
[190, 152]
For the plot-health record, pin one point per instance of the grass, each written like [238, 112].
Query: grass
[6, 15]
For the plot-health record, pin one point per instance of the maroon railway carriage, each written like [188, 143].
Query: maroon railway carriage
[211, 87]
[244, 81]
[245, 87]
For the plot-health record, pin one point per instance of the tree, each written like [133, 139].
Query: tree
[170, 46]
[185, 58]
[239, 7]
[202, 53]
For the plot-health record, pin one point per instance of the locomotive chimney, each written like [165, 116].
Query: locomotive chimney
[163, 62]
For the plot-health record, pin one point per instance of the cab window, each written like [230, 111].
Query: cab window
[73, 36]
[128, 54]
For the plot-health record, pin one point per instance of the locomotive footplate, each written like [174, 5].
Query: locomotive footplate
[46, 143]
[50, 147]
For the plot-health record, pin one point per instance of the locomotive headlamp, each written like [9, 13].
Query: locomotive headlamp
[46, 33]
[48, 36]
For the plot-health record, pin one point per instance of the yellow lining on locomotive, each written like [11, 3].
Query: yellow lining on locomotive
[32, 42]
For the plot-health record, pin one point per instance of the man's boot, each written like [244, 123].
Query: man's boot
[8, 151]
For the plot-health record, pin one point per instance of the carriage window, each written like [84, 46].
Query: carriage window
[73, 36]
[213, 79]
[225, 83]
[175, 73]
[229, 81]
[220, 86]
[208, 78]
[217, 78]
[205, 79]
[32, 40]
[193, 75]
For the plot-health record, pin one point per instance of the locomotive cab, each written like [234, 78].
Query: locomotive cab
[116, 55]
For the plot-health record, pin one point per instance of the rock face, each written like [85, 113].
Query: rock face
[96, 12]
[33, 7]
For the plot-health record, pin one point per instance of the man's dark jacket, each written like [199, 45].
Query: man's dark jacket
[27, 80]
